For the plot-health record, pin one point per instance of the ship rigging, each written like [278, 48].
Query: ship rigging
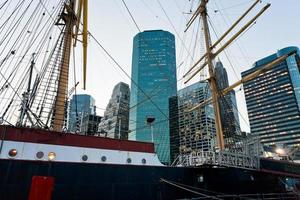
[43, 103]
[37, 159]
[51, 42]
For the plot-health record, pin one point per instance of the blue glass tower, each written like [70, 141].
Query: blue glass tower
[273, 100]
[153, 83]
[84, 105]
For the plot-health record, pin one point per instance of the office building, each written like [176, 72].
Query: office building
[153, 83]
[273, 100]
[115, 121]
[174, 128]
[81, 105]
[228, 108]
[196, 128]
[90, 125]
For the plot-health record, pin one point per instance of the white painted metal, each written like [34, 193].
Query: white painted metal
[28, 151]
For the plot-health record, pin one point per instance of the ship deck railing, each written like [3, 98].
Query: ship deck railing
[222, 158]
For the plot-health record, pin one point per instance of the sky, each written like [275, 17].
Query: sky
[111, 25]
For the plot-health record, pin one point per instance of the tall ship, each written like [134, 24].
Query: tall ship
[40, 159]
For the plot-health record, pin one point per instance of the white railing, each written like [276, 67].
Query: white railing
[222, 158]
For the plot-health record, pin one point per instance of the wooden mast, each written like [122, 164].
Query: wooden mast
[70, 19]
[58, 115]
[209, 57]
[212, 78]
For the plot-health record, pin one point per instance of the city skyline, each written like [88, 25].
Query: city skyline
[120, 47]
[181, 144]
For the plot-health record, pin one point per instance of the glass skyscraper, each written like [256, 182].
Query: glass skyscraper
[273, 100]
[195, 130]
[153, 83]
[174, 128]
[228, 107]
[81, 105]
[114, 123]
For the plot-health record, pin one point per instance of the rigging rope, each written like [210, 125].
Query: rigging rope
[131, 16]
[186, 189]
[25, 41]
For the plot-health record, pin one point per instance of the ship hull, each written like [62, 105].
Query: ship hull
[110, 181]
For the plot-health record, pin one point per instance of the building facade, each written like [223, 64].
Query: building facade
[228, 108]
[115, 121]
[196, 128]
[90, 125]
[174, 128]
[153, 82]
[273, 100]
[81, 105]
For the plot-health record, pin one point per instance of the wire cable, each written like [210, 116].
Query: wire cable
[136, 25]
[121, 68]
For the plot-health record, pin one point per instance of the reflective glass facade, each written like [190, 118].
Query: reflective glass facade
[197, 130]
[273, 100]
[114, 123]
[85, 106]
[154, 71]
[174, 128]
[228, 106]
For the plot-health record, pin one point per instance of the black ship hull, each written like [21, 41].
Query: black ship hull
[107, 181]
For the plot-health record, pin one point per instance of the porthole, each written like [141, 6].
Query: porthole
[84, 158]
[103, 158]
[39, 155]
[144, 161]
[51, 156]
[12, 153]
[128, 160]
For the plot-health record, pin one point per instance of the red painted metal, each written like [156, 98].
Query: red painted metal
[57, 138]
[41, 188]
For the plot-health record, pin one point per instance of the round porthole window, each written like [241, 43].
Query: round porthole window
[51, 156]
[103, 158]
[128, 160]
[39, 155]
[144, 161]
[84, 158]
[12, 152]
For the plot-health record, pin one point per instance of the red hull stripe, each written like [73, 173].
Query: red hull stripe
[67, 139]
[41, 188]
